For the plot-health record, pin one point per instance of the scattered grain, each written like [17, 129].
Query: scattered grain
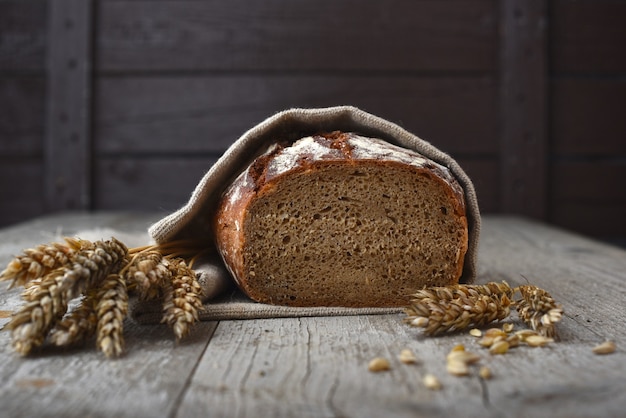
[431, 382]
[407, 357]
[606, 347]
[486, 342]
[463, 356]
[485, 373]
[475, 332]
[499, 347]
[538, 341]
[378, 364]
[508, 327]
[457, 368]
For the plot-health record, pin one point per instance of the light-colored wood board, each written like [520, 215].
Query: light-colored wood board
[147, 382]
[130, 227]
[318, 366]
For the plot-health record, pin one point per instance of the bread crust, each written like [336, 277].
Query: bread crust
[310, 154]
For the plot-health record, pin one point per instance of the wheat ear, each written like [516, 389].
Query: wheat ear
[182, 298]
[452, 308]
[111, 310]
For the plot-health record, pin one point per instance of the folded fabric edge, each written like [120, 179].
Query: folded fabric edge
[151, 312]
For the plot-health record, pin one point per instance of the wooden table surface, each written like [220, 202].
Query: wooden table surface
[317, 367]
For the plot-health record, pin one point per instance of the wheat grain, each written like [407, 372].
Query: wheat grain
[79, 325]
[431, 382]
[182, 298]
[499, 347]
[442, 309]
[475, 332]
[148, 271]
[45, 304]
[606, 347]
[378, 364]
[406, 356]
[111, 310]
[539, 310]
[91, 264]
[35, 263]
[538, 341]
[485, 373]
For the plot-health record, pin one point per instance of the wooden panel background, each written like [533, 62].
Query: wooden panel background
[123, 104]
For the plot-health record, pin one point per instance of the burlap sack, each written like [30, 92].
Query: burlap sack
[193, 221]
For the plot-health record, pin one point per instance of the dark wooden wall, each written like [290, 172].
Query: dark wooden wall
[123, 104]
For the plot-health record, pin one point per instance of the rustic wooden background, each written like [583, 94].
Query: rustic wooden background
[123, 104]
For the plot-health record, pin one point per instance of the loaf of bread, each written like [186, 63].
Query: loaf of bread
[339, 219]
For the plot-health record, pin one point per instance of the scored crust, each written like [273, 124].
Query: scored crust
[342, 220]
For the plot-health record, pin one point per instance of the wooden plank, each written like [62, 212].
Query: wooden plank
[523, 104]
[599, 181]
[21, 186]
[318, 366]
[193, 114]
[67, 147]
[286, 35]
[588, 36]
[587, 117]
[22, 35]
[22, 115]
[484, 174]
[147, 184]
[604, 221]
[146, 382]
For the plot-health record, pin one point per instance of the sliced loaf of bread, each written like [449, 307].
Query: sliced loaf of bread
[339, 219]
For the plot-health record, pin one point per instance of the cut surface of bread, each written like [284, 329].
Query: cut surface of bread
[342, 220]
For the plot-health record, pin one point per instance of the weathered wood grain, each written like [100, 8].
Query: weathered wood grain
[147, 183]
[161, 183]
[286, 35]
[523, 103]
[21, 188]
[208, 113]
[22, 35]
[22, 115]
[588, 36]
[318, 366]
[587, 117]
[601, 219]
[67, 155]
[598, 180]
[147, 382]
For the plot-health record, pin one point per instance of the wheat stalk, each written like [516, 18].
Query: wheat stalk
[45, 304]
[103, 271]
[111, 310]
[181, 298]
[539, 310]
[452, 308]
[36, 262]
[79, 325]
[147, 271]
